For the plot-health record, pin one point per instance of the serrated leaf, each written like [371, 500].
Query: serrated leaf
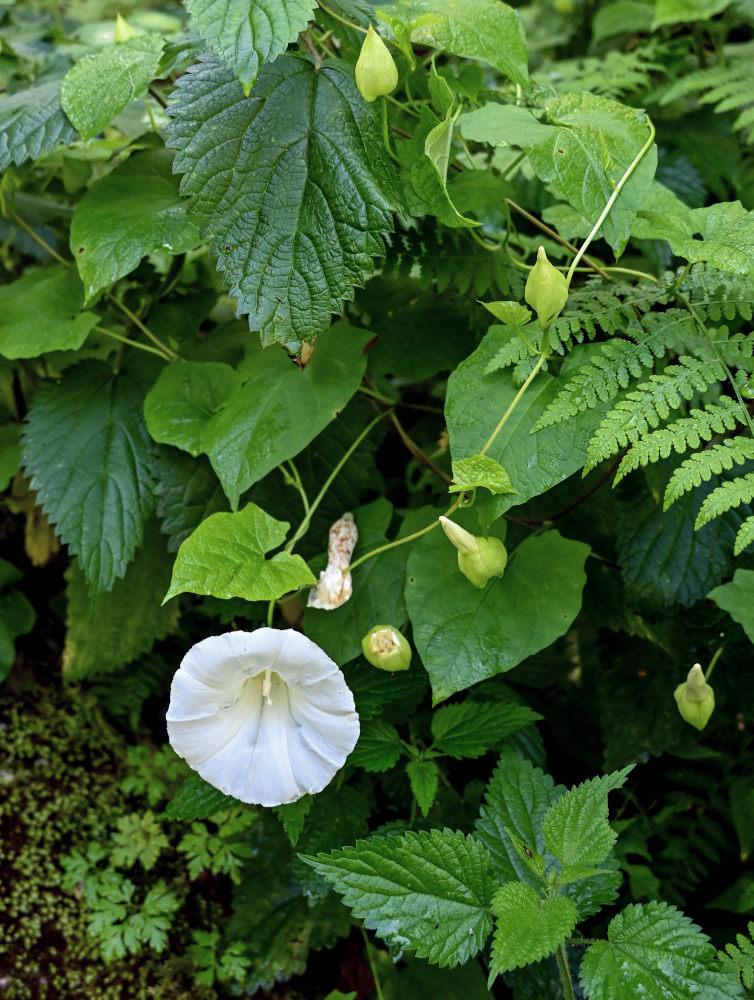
[737, 598]
[583, 146]
[465, 635]
[100, 85]
[293, 816]
[197, 799]
[338, 816]
[109, 238]
[480, 29]
[428, 891]
[32, 123]
[655, 952]
[575, 827]
[39, 312]
[249, 432]
[86, 451]
[528, 927]
[574, 873]
[246, 34]
[424, 778]
[470, 728]
[379, 746]
[304, 138]
[106, 635]
[187, 491]
[225, 557]
[480, 470]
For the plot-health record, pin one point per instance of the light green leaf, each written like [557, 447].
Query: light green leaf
[528, 927]
[247, 33]
[475, 402]
[109, 237]
[106, 635]
[428, 891]
[429, 176]
[10, 452]
[197, 799]
[317, 148]
[275, 411]
[424, 778]
[225, 557]
[575, 827]
[470, 728]
[655, 952]
[677, 11]
[575, 873]
[510, 313]
[465, 635]
[477, 29]
[39, 312]
[726, 229]
[737, 598]
[17, 617]
[379, 746]
[98, 490]
[100, 85]
[480, 470]
[32, 123]
[583, 146]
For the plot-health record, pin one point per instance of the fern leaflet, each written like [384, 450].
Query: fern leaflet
[729, 87]
[702, 466]
[684, 433]
[717, 295]
[726, 496]
[745, 536]
[739, 957]
[513, 352]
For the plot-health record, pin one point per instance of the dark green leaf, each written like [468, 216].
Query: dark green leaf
[196, 799]
[293, 816]
[187, 491]
[39, 312]
[470, 728]
[32, 123]
[424, 778]
[379, 746]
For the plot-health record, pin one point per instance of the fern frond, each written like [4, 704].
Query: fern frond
[685, 433]
[702, 466]
[511, 353]
[615, 74]
[725, 497]
[745, 536]
[738, 958]
[599, 308]
[649, 404]
[717, 295]
[730, 87]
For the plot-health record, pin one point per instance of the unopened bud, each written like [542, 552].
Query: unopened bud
[385, 647]
[123, 30]
[695, 698]
[546, 289]
[479, 559]
[376, 72]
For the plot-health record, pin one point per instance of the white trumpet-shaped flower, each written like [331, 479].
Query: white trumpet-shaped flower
[265, 716]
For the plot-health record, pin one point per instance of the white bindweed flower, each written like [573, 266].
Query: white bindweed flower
[265, 716]
[335, 586]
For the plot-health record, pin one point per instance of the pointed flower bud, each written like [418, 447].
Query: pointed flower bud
[386, 648]
[123, 30]
[376, 72]
[695, 698]
[546, 289]
[479, 559]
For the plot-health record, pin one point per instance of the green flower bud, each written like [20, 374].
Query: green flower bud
[695, 698]
[546, 289]
[479, 559]
[376, 72]
[123, 30]
[386, 648]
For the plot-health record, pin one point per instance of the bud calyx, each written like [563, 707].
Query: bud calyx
[546, 289]
[385, 647]
[695, 698]
[479, 559]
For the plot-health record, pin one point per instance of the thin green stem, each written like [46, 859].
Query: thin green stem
[337, 17]
[296, 482]
[718, 653]
[373, 394]
[555, 236]
[372, 967]
[680, 279]
[511, 167]
[386, 131]
[406, 538]
[304, 526]
[611, 201]
[492, 247]
[514, 402]
[270, 612]
[38, 239]
[131, 343]
[404, 108]
[565, 972]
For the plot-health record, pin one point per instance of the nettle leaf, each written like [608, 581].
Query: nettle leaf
[379, 746]
[424, 778]
[293, 816]
[575, 827]
[479, 29]
[465, 635]
[304, 138]
[109, 238]
[528, 927]
[225, 557]
[480, 470]
[187, 491]
[86, 451]
[32, 123]
[197, 799]
[428, 891]
[470, 728]
[39, 312]
[247, 432]
[100, 85]
[246, 34]
[655, 952]
[583, 146]
[737, 598]
[124, 623]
